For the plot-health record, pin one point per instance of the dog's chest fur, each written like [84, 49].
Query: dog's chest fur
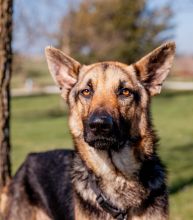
[125, 194]
[58, 181]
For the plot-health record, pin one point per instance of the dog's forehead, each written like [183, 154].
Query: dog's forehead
[108, 72]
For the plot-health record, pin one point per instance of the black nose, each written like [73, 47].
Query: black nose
[99, 123]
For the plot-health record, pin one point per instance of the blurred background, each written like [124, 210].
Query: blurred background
[95, 30]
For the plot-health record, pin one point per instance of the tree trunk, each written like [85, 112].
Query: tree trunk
[6, 9]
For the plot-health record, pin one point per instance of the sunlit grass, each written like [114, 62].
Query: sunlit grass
[38, 123]
[173, 116]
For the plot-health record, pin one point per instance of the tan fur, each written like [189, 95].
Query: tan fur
[3, 202]
[4, 199]
[79, 215]
[41, 215]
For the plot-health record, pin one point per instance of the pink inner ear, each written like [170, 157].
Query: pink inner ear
[155, 89]
[61, 76]
[64, 78]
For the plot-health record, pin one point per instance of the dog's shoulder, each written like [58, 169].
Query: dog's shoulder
[46, 180]
[45, 165]
[49, 162]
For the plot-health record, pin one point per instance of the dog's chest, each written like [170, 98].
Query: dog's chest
[124, 194]
[121, 192]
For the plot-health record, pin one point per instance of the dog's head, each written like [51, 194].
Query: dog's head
[109, 101]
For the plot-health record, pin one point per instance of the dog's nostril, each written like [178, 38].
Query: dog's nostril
[101, 123]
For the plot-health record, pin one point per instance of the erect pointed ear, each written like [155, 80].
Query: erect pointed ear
[155, 66]
[64, 69]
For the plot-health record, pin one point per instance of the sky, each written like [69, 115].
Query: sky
[184, 32]
[183, 21]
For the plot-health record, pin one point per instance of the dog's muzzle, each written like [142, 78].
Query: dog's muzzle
[99, 131]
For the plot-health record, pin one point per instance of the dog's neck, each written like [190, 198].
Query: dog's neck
[110, 163]
[112, 175]
[125, 162]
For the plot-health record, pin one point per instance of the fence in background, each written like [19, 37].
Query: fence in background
[168, 85]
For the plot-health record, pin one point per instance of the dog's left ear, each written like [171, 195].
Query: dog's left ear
[154, 67]
[64, 69]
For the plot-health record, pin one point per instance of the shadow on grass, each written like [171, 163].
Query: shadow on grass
[180, 185]
[54, 113]
[51, 113]
[181, 157]
[170, 94]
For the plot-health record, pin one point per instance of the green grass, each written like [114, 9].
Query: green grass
[173, 116]
[40, 123]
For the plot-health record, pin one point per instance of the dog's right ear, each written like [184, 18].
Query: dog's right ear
[64, 69]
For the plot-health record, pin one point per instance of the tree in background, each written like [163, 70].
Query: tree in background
[6, 8]
[119, 30]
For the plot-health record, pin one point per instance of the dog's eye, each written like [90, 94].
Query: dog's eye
[86, 92]
[125, 92]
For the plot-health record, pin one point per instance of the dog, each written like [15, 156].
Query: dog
[114, 172]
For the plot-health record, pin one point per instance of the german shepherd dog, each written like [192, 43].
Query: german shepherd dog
[114, 172]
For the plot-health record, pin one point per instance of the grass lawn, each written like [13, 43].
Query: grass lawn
[40, 123]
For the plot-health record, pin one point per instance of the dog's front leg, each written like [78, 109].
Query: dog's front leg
[80, 214]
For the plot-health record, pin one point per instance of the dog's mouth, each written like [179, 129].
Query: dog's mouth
[103, 143]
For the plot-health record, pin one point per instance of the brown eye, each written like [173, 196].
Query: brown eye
[86, 92]
[125, 92]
